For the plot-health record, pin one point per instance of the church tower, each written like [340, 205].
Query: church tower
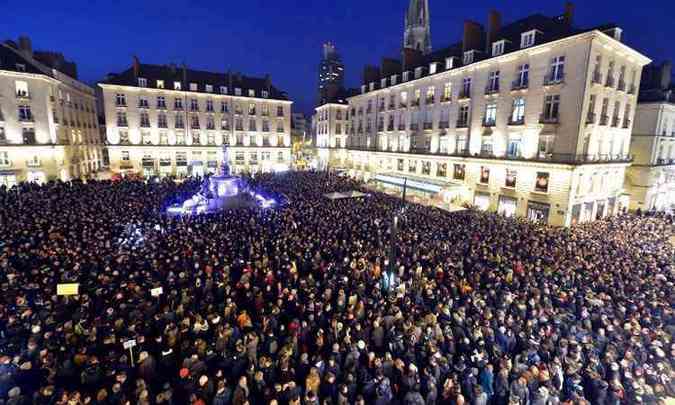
[417, 27]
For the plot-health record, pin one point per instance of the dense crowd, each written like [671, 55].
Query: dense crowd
[300, 305]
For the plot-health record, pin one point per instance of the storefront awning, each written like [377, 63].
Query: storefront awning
[423, 184]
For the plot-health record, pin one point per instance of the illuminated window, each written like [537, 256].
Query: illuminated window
[237, 91]
[251, 93]
[21, 89]
[541, 185]
[265, 94]
[142, 82]
[209, 88]
[176, 85]
[193, 87]
[4, 159]
[223, 90]
[160, 84]
[125, 156]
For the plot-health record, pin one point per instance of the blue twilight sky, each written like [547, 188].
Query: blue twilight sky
[284, 37]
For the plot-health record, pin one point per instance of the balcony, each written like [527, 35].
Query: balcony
[179, 125]
[590, 118]
[597, 78]
[462, 124]
[161, 106]
[664, 162]
[403, 105]
[26, 118]
[446, 99]
[444, 125]
[414, 127]
[604, 119]
[489, 122]
[549, 119]
[621, 86]
[252, 111]
[178, 108]
[392, 106]
[162, 125]
[143, 105]
[428, 125]
[610, 81]
[210, 126]
[615, 122]
[264, 113]
[553, 80]
[380, 128]
[194, 126]
[626, 123]
[380, 107]
[429, 100]
[194, 109]
[401, 127]
[390, 126]
[517, 122]
[632, 89]
[491, 90]
[520, 85]
[415, 103]
[465, 94]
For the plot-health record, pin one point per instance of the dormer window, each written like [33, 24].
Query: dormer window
[405, 76]
[469, 57]
[176, 85]
[209, 88]
[433, 68]
[418, 72]
[265, 94]
[449, 63]
[363, 89]
[160, 84]
[142, 82]
[615, 33]
[223, 90]
[392, 80]
[528, 39]
[251, 93]
[237, 91]
[498, 48]
[193, 86]
[383, 83]
[20, 67]
[371, 86]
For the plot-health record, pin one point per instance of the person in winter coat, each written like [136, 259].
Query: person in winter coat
[519, 393]
[240, 396]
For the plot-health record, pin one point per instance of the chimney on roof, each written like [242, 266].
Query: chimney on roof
[371, 74]
[136, 65]
[569, 13]
[390, 67]
[26, 46]
[473, 34]
[665, 75]
[411, 58]
[493, 27]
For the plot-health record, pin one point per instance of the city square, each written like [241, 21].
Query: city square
[489, 221]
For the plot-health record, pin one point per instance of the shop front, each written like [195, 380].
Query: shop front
[481, 201]
[508, 206]
[442, 194]
[538, 212]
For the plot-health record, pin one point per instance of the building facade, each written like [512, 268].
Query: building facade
[48, 121]
[651, 179]
[531, 119]
[171, 121]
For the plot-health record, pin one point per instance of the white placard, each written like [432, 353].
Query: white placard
[129, 344]
[156, 292]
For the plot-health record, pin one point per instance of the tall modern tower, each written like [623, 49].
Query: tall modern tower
[331, 72]
[417, 27]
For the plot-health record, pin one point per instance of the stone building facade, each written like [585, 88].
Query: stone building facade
[175, 121]
[48, 120]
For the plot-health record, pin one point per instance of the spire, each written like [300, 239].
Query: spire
[417, 27]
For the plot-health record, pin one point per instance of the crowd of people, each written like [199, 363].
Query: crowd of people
[307, 305]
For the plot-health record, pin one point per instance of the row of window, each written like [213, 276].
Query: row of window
[181, 158]
[143, 102]
[237, 140]
[195, 122]
[208, 88]
[23, 92]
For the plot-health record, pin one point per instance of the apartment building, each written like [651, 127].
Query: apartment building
[532, 119]
[48, 121]
[650, 181]
[175, 121]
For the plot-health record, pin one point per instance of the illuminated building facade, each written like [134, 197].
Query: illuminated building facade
[651, 179]
[168, 120]
[531, 119]
[48, 121]
[331, 72]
